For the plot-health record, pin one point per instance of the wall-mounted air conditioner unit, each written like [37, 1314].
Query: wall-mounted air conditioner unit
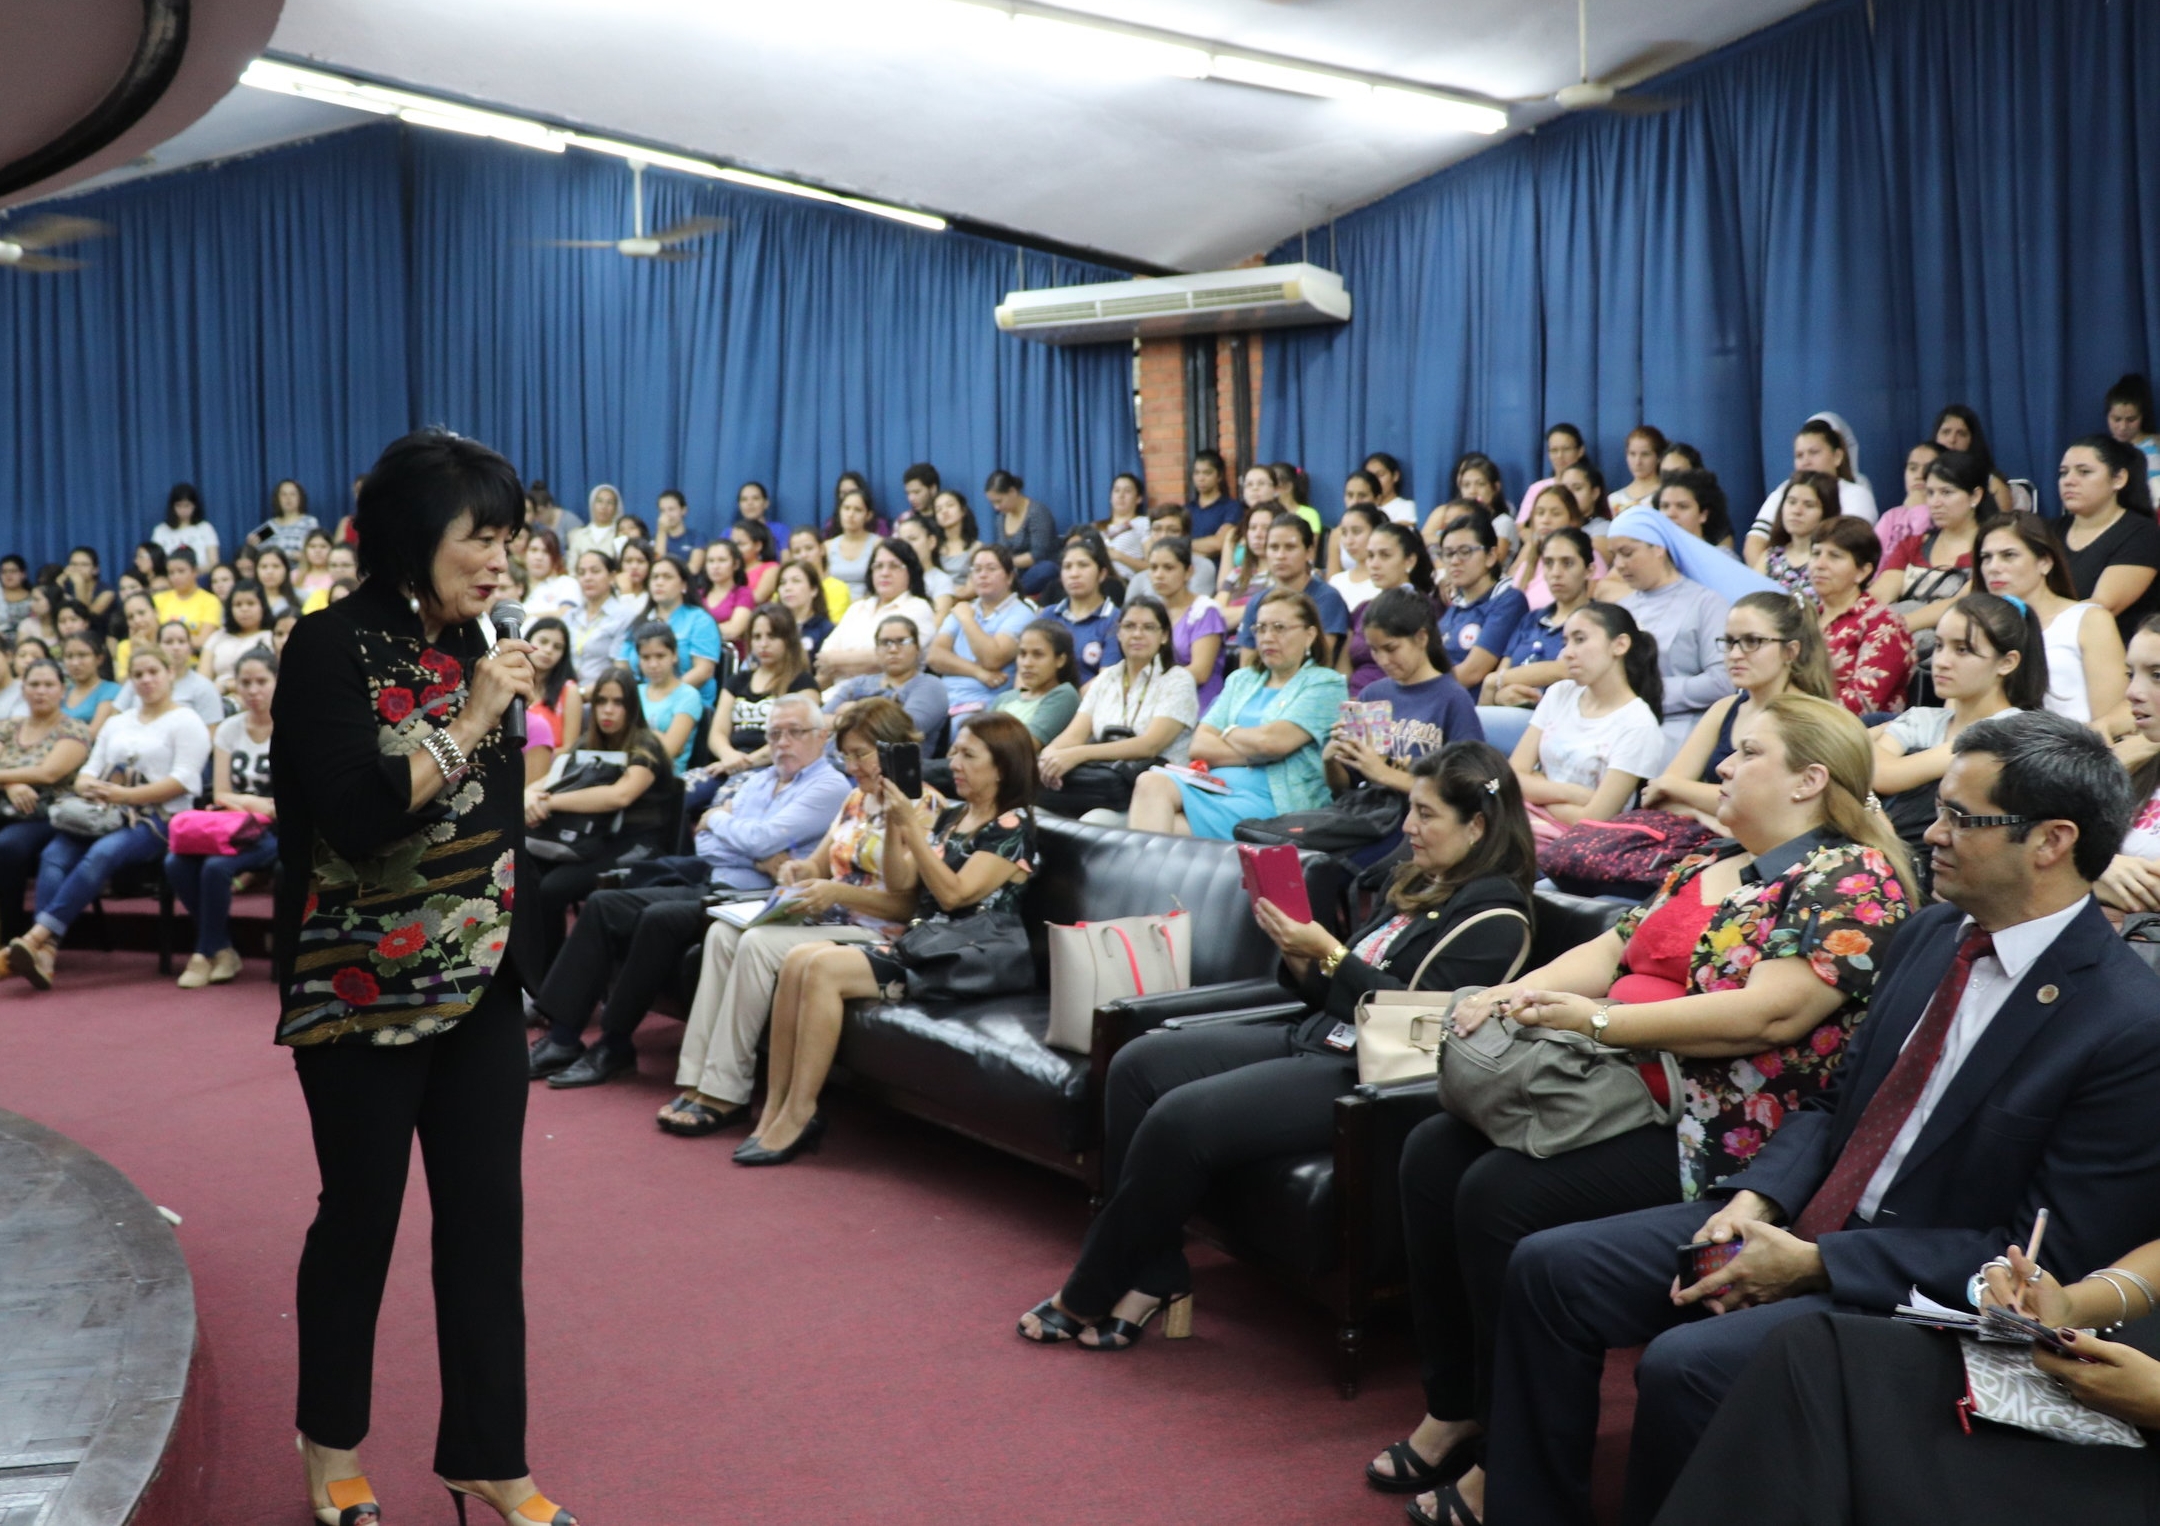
[1218, 301]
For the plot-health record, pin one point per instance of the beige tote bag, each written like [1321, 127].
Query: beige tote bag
[1096, 962]
[1399, 1032]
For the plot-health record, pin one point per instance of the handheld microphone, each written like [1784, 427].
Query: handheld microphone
[508, 616]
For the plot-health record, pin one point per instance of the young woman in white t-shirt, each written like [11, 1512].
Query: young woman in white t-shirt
[2020, 557]
[239, 781]
[1348, 541]
[2132, 881]
[1988, 658]
[1596, 735]
[1138, 709]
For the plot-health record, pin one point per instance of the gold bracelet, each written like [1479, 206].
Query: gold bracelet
[1333, 962]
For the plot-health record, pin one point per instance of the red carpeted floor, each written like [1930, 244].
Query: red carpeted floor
[824, 1342]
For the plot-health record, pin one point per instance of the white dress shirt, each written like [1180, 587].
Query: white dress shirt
[1994, 977]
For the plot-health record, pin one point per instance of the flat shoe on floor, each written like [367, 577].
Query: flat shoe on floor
[196, 975]
[224, 967]
[594, 1066]
[547, 1057]
[694, 1120]
[22, 962]
[1414, 1475]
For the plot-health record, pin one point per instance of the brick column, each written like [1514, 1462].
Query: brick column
[1164, 456]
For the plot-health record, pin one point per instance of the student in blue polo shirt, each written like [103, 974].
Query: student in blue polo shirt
[1083, 569]
[1483, 611]
[1533, 655]
[1211, 508]
[975, 647]
[1289, 552]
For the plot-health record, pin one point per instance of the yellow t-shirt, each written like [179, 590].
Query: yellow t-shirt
[200, 611]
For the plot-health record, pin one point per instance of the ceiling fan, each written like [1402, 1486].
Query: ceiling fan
[648, 246]
[1607, 94]
[21, 248]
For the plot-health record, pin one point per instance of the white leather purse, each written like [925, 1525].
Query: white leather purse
[1096, 962]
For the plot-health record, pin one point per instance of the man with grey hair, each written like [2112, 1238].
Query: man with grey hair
[634, 939]
[2009, 1062]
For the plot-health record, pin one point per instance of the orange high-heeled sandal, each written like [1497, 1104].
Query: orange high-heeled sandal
[352, 1500]
[537, 1509]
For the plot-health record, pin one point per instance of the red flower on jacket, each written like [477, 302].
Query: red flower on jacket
[433, 695]
[393, 705]
[308, 910]
[401, 942]
[446, 668]
[356, 987]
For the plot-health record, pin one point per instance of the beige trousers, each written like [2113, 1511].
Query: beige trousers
[734, 1002]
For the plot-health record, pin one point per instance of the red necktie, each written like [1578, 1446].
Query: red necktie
[1893, 1102]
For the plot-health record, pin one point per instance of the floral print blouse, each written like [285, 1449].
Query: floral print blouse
[391, 923]
[1871, 657]
[1821, 898]
[1010, 836]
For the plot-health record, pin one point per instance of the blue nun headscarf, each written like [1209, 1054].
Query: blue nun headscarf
[1692, 557]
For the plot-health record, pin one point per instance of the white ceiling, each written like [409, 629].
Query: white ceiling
[849, 94]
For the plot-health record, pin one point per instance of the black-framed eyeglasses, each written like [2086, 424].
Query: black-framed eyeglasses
[1748, 645]
[1958, 821]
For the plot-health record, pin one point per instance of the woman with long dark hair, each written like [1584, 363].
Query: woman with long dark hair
[2113, 542]
[389, 747]
[1184, 1108]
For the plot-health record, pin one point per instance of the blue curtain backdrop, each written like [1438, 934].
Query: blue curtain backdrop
[1876, 213]
[803, 341]
[290, 313]
[240, 325]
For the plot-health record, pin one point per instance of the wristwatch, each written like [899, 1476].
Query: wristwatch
[1600, 1015]
[1333, 961]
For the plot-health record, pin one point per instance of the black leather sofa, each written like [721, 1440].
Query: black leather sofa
[981, 1068]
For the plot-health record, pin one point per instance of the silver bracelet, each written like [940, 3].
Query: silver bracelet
[448, 756]
[2144, 1287]
[2120, 1297]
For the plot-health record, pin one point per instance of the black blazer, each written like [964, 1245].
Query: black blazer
[1480, 958]
[2057, 1106]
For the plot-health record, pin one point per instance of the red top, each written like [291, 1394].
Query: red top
[1871, 657]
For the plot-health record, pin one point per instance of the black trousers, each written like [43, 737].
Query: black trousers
[1181, 1107]
[20, 844]
[1466, 1202]
[625, 947]
[1574, 1294]
[1850, 1420]
[463, 1093]
[538, 926]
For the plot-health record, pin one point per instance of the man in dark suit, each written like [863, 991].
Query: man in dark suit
[2010, 1061]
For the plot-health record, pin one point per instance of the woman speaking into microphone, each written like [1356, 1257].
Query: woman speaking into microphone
[400, 813]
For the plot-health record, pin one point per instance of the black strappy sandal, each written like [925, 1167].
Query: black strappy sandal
[1121, 1334]
[694, 1120]
[1414, 1475]
[1057, 1326]
[1453, 1512]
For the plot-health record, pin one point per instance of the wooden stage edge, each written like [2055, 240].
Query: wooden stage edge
[97, 1339]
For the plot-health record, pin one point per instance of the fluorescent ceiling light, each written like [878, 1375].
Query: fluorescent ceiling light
[1442, 111]
[1071, 45]
[1254, 71]
[451, 116]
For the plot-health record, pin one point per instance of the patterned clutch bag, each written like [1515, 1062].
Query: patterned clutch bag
[2003, 1385]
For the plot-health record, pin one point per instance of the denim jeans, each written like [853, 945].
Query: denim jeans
[72, 871]
[204, 881]
[20, 844]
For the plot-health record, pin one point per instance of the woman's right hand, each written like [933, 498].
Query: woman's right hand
[1655, 793]
[1470, 1015]
[2013, 1287]
[501, 676]
[22, 797]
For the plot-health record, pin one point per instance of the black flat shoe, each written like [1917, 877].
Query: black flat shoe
[591, 1068]
[1414, 1475]
[1055, 1325]
[1453, 1512]
[694, 1120]
[547, 1057]
[751, 1153]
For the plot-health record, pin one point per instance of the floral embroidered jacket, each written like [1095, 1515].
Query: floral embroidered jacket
[1822, 898]
[390, 923]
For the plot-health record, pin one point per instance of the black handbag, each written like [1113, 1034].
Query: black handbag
[1360, 817]
[955, 958]
[578, 837]
[2141, 930]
